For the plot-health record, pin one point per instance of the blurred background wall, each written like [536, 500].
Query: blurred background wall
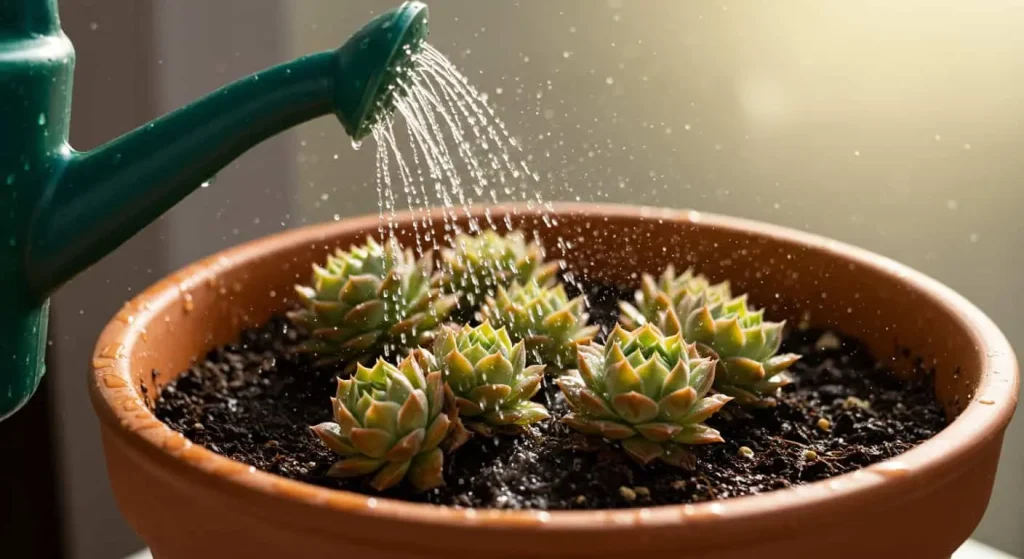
[895, 125]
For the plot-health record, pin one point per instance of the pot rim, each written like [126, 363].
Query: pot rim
[122, 410]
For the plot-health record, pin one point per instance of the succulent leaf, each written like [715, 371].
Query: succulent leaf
[371, 298]
[745, 344]
[489, 379]
[389, 422]
[478, 264]
[354, 466]
[425, 469]
[551, 325]
[653, 407]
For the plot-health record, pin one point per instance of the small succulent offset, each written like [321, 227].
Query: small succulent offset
[749, 368]
[746, 345]
[551, 325]
[645, 389]
[681, 293]
[390, 420]
[369, 298]
[489, 379]
[478, 264]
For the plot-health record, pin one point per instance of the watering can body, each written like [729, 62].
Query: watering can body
[35, 101]
[62, 210]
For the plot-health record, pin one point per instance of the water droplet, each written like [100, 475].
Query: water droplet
[952, 204]
[891, 468]
[967, 147]
[93, 26]
[42, 119]
[114, 381]
[974, 237]
[856, 152]
[566, 54]
[10, 179]
[609, 80]
[356, 144]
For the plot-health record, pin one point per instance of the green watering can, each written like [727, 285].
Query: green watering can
[62, 210]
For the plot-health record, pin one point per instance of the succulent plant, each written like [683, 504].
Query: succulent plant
[370, 298]
[645, 389]
[682, 293]
[543, 317]
[478, 264]
[390, 420]
[746, 345]
[489, 378]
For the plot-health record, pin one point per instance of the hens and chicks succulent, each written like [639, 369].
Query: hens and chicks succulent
[683, 349]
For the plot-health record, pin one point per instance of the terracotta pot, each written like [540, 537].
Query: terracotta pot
[188, 502]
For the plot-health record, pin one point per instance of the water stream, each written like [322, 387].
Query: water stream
[446, 148]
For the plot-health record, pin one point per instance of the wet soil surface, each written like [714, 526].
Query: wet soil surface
[252, 401]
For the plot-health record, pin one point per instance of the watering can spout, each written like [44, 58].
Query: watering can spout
[102, 197]
[62, 210]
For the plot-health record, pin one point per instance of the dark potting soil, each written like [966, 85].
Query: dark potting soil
[252, 401]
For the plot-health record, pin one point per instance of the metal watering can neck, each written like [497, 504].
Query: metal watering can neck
[62, 210]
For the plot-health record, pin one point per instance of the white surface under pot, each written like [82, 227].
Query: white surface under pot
[970, 550]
